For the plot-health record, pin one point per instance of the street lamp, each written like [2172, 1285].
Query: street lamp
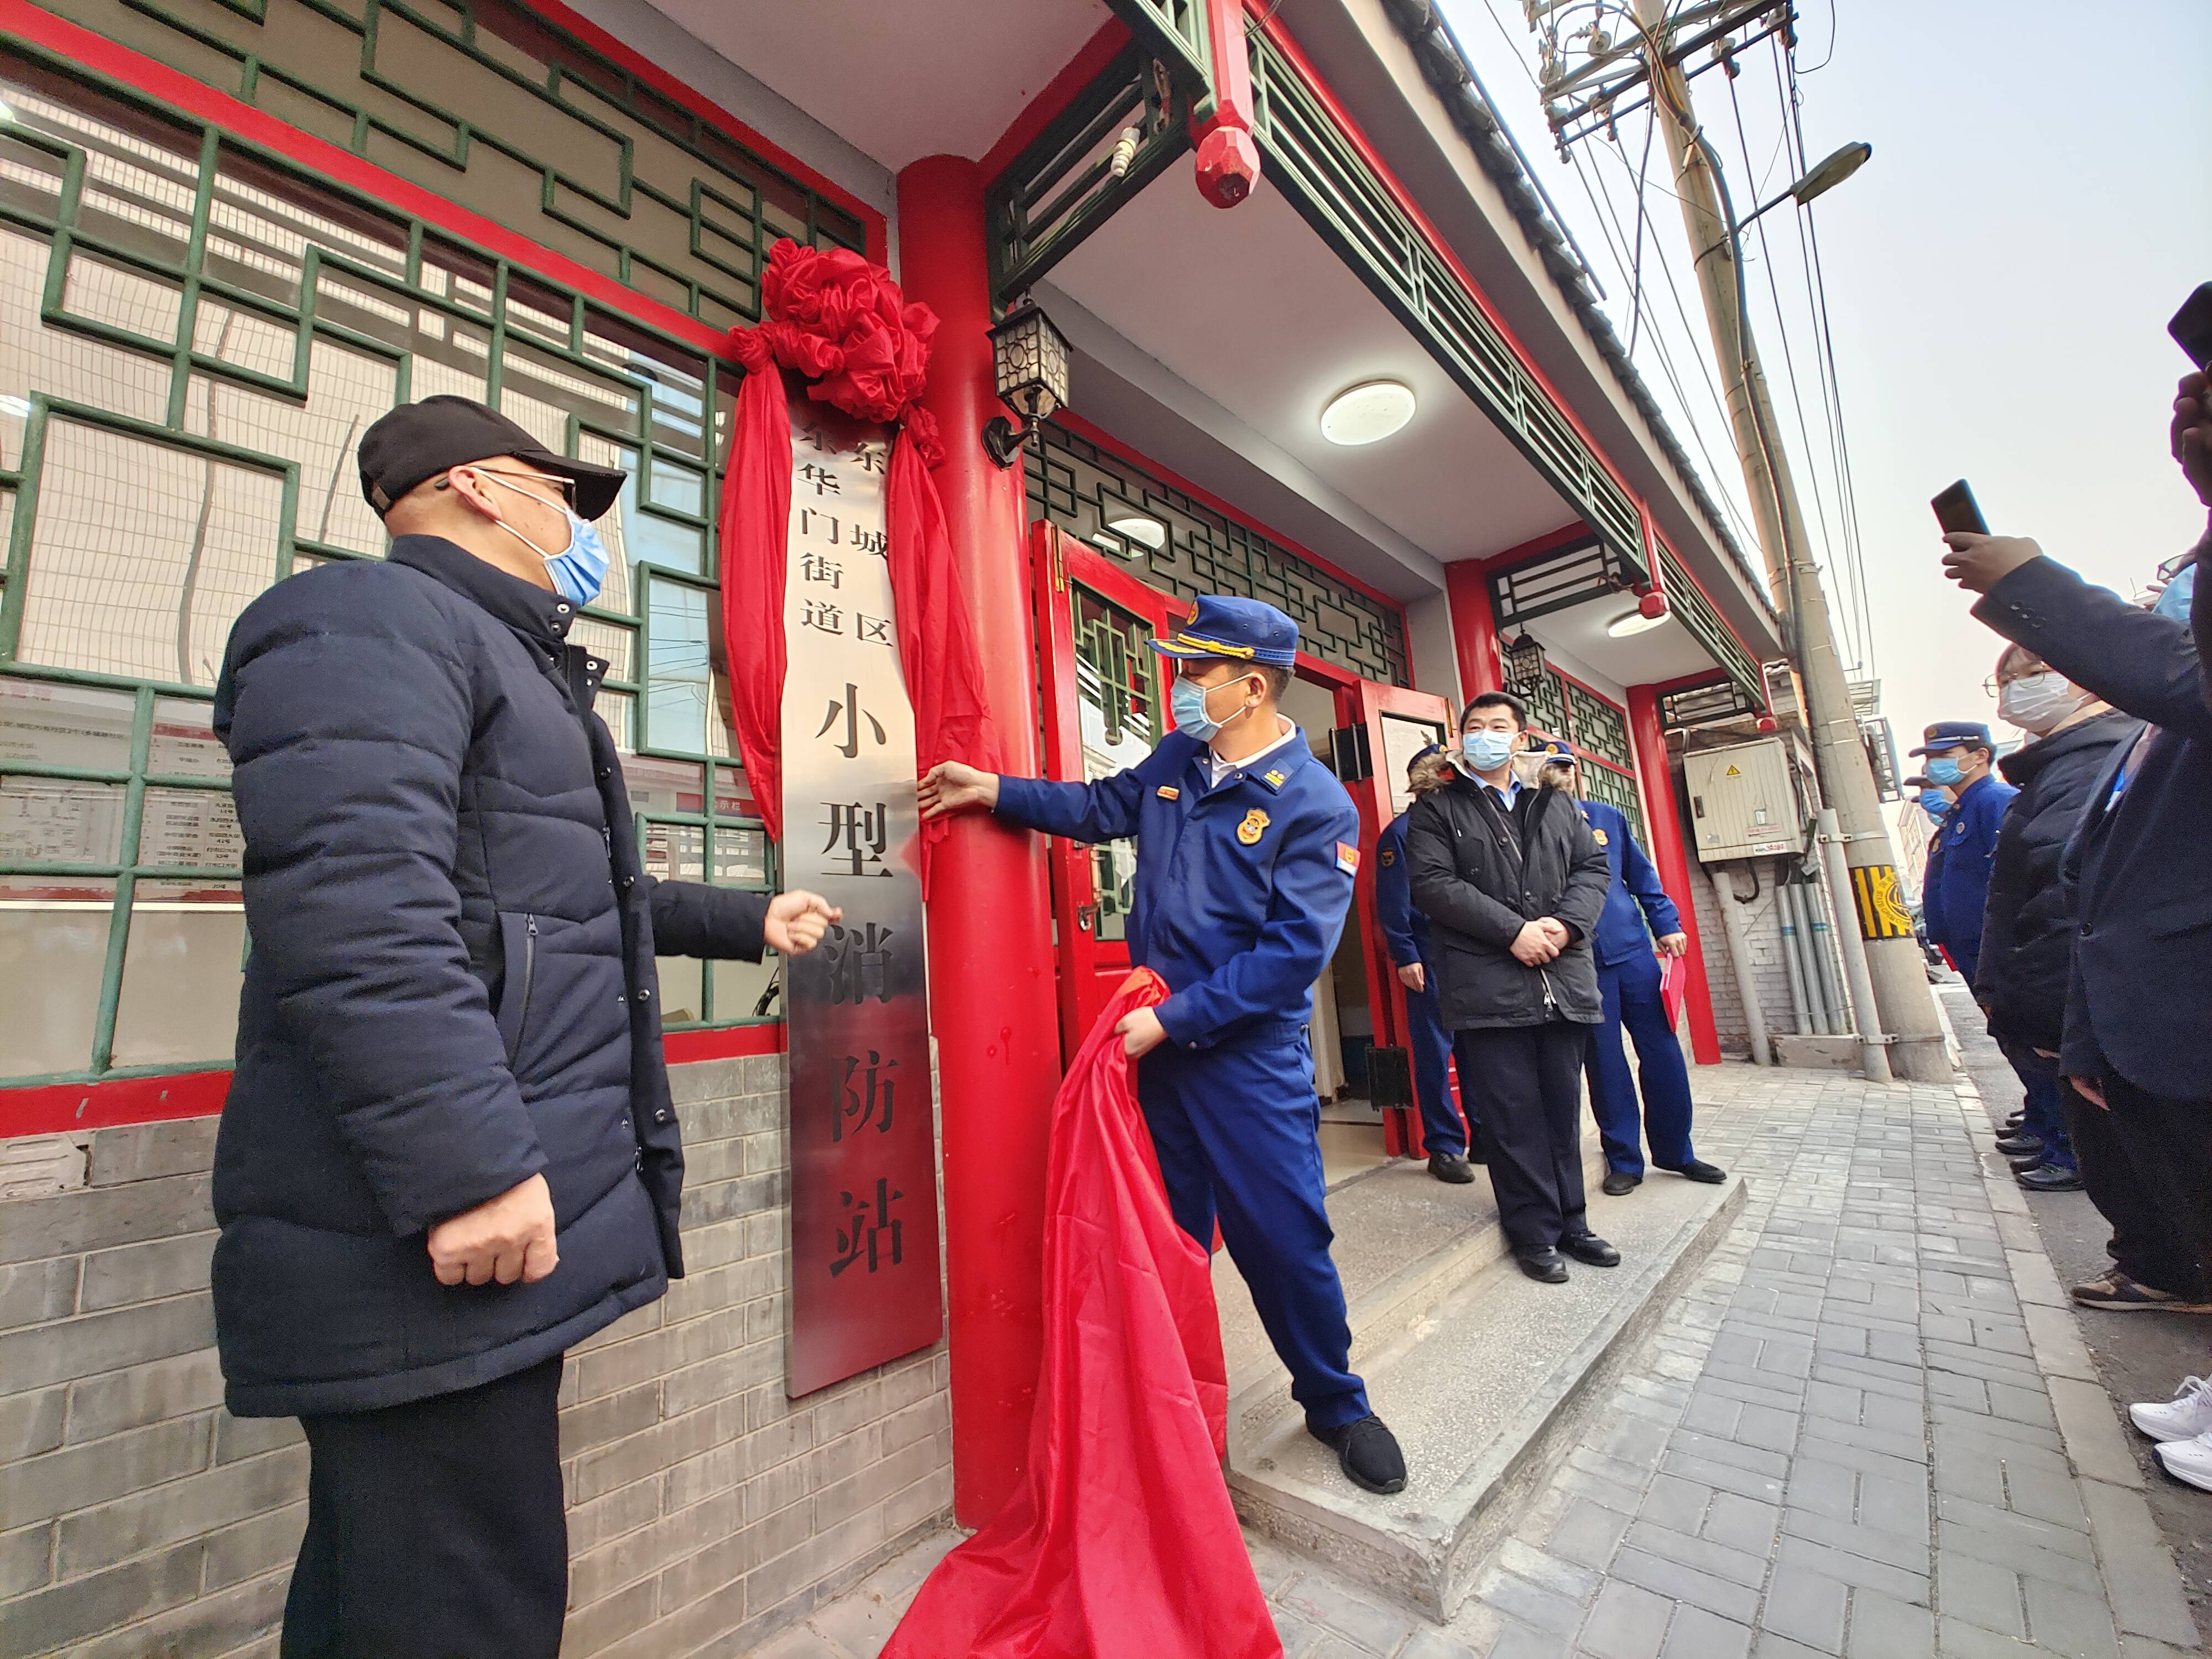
[1028, 356]
[1825, 176]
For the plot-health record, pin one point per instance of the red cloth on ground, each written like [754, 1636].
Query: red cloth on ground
[1119, 1543]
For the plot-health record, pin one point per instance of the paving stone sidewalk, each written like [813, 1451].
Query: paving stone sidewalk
[1869, 1429]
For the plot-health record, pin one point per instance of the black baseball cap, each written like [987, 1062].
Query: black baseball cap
[416, 441]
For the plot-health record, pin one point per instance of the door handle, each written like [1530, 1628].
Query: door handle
[1086, 917]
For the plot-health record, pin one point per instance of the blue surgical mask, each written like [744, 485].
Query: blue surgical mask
[580, 569]
[1487, 751]
[1944, 771]
[1937, 808]
[1187, 705]
[2179, 593]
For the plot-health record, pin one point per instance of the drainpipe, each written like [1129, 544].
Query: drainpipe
[1821, 945]
[1739, 943]
[1793, 954]
[1873, 1054]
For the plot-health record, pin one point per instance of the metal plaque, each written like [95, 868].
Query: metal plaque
[864, 1276]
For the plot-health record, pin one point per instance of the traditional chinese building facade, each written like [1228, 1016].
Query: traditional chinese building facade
[233, 233]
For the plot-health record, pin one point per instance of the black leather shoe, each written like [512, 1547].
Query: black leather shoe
[1698, 1170]
[1546, 1265]
[2014, 1124]
[1368, 1454]
[1618, 1183]
[2050, 1178]
[2021, 1165]
[1589, 1247]
[1452, 1168]
[2019, 1145]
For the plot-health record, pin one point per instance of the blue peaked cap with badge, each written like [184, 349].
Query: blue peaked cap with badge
[1954, 734]
[1246, 630]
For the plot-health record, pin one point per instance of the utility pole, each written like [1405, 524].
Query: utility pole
[1882, 960]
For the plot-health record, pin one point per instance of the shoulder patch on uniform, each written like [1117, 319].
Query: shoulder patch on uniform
[1347, 858]
[1388, 857]
[1275, 776]
[1256, 821]
[1167, 792]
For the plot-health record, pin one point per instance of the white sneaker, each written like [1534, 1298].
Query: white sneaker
[2187, 1415]
[2188, 1460]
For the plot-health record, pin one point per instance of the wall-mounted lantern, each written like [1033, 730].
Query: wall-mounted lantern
[1029, 356]
[1525, 663]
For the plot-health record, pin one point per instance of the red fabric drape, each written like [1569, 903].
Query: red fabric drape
[842, 323]
[936, 633]
[1119, 1543]
[756, 527]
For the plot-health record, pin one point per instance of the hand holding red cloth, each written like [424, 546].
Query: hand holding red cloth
[1121, 1542]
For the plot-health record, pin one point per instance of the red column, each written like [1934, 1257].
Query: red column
[1671, 857]
[990, 910]
[1474, 627]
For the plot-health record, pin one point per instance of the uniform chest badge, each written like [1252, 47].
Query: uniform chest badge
[1276, 776]
[1389, 858]
[1256, 821]
[1167, 792]
[1600, 833]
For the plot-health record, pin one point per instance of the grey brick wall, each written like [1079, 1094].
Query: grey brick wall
[706, 1511]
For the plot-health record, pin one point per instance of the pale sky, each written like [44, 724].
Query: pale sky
[1998, 281]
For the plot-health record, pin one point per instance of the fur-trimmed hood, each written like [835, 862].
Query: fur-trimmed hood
[1433, 772]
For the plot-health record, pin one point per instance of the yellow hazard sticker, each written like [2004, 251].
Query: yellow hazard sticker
[1254, 821]
[1733, 771]
[1880, 902]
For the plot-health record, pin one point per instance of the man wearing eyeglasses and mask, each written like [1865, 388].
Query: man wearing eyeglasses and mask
[449, 1152]
[1247, 847]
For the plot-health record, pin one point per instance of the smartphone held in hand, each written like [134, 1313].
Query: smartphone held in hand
[1955, 509]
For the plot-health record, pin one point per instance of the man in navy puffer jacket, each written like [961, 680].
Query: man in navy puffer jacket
[449, 1152]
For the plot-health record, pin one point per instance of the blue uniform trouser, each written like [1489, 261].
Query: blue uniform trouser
[1633, 1000]
[2042, 1115]
[1238, 1129]
[1442, 1131]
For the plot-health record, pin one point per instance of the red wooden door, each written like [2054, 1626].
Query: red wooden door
[1105, 706]
[1398, 722]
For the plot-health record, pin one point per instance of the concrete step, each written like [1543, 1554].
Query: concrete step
[1404, 1242]
[1485, 1377]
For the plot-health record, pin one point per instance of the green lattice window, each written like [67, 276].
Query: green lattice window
[1086, 491]
[1596, 729]
[192, 336]
[504, 113]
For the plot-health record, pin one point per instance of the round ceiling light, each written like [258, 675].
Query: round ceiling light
[1367, 413]
[1631, 623]
[1139, 527]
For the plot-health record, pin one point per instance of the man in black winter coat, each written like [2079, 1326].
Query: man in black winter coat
[449, 1152]
[2028, 925]
[2138, 1026]
[1513, 882]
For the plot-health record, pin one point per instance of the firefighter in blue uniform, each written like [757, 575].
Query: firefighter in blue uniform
[1246, 845]
[1444, 1135]
[1636, 913]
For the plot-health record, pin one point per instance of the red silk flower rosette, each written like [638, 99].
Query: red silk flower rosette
[842, 324]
